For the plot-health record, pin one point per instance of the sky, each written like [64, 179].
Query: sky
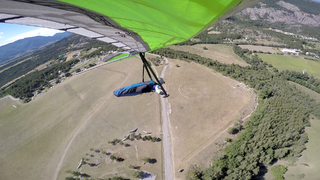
[13, 32]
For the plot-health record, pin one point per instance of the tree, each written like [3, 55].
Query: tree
[134, 166]
[137, 174]
[150, 160]
[233, 130]
[120, 159]
[147, 159]
[113, 157]
[278, 171]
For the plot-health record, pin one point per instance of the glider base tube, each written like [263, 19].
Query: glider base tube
[142, 56]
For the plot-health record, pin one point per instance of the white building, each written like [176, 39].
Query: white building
[291, 51]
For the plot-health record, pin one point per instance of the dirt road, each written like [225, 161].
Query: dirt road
[167, 148]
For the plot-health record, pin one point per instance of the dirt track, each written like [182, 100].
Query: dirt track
[81, 127]
[167, 148]
[10, 97]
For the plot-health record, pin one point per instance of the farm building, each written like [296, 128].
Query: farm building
[291, 51]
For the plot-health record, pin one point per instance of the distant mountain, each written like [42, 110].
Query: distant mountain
[27, 45]
[292, 13]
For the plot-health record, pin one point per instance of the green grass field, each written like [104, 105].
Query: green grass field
[283, 62]
[119, 56]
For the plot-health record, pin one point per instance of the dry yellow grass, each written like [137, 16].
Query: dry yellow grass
[260, 48]
[203, 105]
[220, 52]
[70, 54]
[50, 135]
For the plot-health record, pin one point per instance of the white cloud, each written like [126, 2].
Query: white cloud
[37, 32]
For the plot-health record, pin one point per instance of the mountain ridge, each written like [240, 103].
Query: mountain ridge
[27, 45]
[293, 12]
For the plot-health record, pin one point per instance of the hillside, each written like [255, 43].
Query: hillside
[27, 45]
[298, 16]
[24, 64]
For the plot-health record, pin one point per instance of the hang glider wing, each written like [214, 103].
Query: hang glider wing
[133, 25]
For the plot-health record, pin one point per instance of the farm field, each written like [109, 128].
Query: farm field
[204, 104]
[48, 136]
[220, 52]
[259, 48]
[283, 62]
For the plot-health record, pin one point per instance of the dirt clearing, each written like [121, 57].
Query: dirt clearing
[203, 105]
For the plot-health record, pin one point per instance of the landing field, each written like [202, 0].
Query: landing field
[220, 52]
[203, 105]
[283, 62]
[48, 136]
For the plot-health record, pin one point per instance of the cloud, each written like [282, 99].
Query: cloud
[37, 32]
[0, 34]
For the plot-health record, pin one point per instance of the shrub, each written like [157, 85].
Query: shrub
[113, 157]
[137, 174]
[278, 171]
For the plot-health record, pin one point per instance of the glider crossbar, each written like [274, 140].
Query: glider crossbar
[147, 66]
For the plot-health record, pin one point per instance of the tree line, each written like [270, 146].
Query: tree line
[205, 38]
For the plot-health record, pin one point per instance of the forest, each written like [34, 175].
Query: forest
[276, 130]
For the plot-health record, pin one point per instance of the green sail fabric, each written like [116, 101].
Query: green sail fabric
[160, 22]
